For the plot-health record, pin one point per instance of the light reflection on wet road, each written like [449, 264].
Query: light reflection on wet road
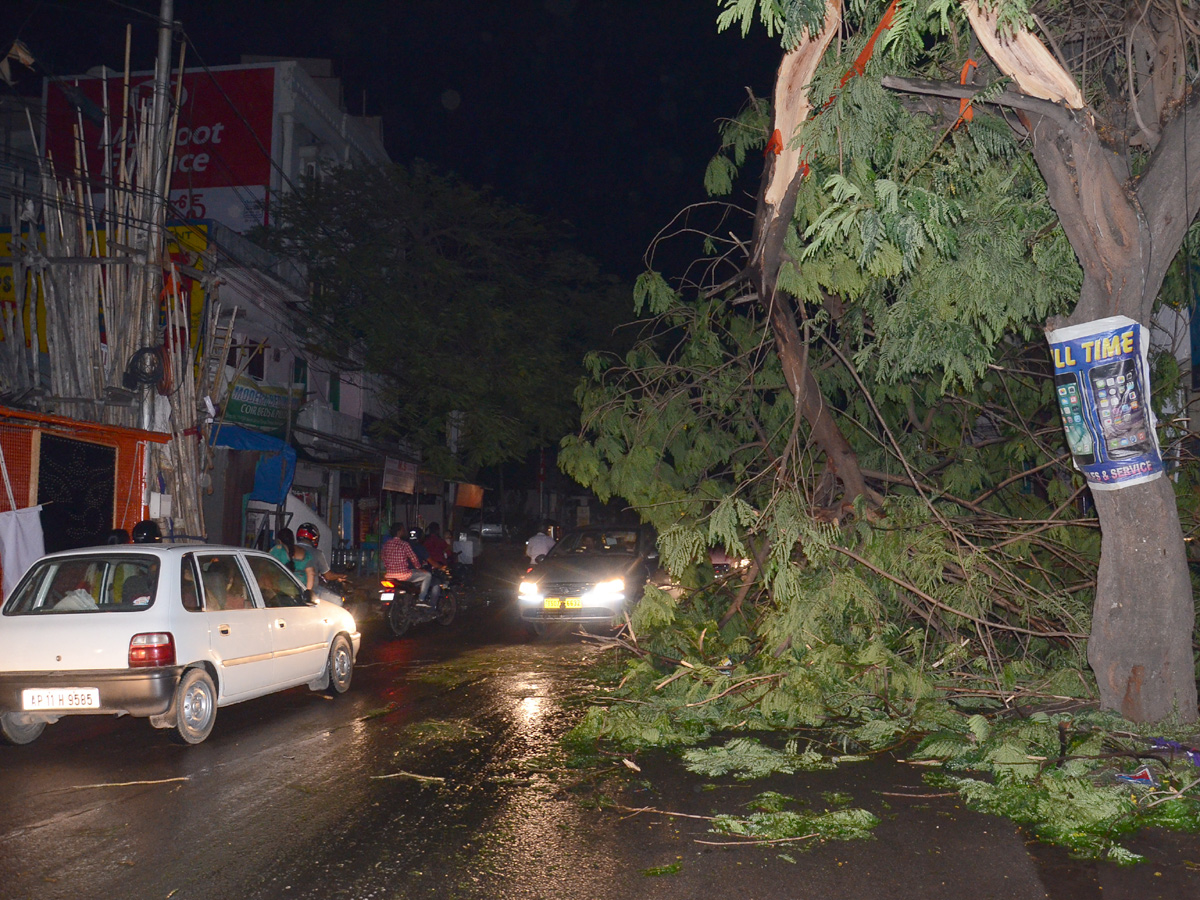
[430, 778]
[296, 794]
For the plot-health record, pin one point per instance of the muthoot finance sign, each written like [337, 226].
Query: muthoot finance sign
[222, 156]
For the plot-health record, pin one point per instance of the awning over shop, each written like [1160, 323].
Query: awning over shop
[276, 467]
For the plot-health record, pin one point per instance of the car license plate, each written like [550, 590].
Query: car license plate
[568, 603]
[61, 698]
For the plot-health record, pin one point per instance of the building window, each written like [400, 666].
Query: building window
[335, 391]
[256, 365]
[300, 372]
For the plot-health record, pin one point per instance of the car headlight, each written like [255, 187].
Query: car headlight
[612, 588]
[528, 591]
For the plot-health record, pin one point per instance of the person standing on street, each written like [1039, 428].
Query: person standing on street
[540, 544]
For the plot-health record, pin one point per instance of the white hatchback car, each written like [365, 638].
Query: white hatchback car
[168, 632]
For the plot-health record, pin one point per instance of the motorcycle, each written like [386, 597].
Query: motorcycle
[401, 610]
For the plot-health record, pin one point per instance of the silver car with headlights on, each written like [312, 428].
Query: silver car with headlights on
[591, 576]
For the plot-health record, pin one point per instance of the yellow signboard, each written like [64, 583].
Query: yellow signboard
[186, 248]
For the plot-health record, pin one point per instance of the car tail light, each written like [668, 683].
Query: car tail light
[156, 648]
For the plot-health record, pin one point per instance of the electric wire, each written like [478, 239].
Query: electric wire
[248, 271]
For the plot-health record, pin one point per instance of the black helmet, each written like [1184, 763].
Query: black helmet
[147, 532]
[414, 534]
[308, 533]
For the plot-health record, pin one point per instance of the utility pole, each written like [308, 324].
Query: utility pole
[160, 137]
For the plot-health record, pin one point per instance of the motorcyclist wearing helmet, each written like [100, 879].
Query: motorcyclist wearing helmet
[310, 536]
[147, 532]
[415, 538]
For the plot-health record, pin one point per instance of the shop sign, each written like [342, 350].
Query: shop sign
[260, 406]
[399, 476]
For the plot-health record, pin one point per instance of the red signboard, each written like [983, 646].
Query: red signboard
[223, 137]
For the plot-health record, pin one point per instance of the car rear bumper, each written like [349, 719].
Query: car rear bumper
[135, 692]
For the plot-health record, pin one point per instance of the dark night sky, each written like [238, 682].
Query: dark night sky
[600, 112]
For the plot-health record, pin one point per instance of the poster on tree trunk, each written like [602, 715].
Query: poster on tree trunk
[1101, 384]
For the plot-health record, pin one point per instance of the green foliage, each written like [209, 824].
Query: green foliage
[787, 18]
[923, 262]
[1056, 774]
[718, 177]
[838, 825]
[659, 871]
[744, 758]
[416, 272]
[770, 801]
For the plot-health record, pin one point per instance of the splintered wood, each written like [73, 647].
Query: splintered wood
[1025, 58]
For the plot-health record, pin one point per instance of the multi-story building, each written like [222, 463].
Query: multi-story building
[243, 135]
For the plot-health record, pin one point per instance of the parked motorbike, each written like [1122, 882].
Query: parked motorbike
[401, 610]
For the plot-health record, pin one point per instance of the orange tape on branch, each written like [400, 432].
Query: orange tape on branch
[860, 64]
[965, 112]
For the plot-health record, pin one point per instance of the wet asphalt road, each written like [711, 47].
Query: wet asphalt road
[436, 776]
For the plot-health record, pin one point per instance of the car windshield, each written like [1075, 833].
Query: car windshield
[599, 542]
[90, 583]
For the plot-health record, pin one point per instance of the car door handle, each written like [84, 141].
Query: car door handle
[280, 623]
[224, 629]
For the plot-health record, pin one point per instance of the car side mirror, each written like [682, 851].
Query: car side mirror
[310, 598]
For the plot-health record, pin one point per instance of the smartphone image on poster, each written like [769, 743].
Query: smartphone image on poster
[1121, 409]
[1070, 407]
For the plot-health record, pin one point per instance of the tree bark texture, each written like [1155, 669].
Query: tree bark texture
[1140, 646]
[1125, 233]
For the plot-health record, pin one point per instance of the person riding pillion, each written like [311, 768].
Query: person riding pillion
[296, 557]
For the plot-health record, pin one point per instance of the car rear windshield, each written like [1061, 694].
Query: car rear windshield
[84, 584]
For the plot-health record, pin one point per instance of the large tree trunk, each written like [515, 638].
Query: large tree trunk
[1140, 646]
[1141, 642]
[1125, 233]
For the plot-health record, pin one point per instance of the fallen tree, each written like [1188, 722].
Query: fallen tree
[895, 455]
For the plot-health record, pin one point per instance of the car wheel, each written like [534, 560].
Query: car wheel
[15, 731]
[447, 608]
[195, 707]
[397, 617]
[341, 665]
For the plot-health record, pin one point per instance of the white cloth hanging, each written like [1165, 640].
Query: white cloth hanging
[21, 543]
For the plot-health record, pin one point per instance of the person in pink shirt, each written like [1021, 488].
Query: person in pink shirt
[401, 564]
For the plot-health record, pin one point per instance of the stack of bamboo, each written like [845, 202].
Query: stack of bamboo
[92, 254]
